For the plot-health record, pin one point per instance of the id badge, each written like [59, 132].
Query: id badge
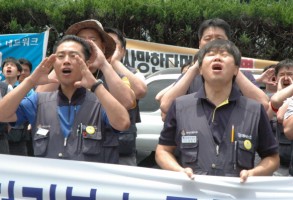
[189, 139]
[42, 131]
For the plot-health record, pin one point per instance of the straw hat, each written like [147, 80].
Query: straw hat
[109, 43]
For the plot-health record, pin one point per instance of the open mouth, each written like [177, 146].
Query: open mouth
[286, 83]
[217, 67]
[66, 71]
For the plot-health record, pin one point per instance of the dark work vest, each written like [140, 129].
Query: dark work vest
[201, 153]
[127, 138]
[111, 139]
[4, 148]
[3, 88]
[285, 149]
[3, 92]
[84, 143]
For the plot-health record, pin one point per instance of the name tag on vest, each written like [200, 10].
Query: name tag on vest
[42, 131]
[189, 139]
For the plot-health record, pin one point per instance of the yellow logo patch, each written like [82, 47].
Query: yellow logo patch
[247, 144]
[90, 130]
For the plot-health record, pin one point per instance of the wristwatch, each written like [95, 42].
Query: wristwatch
[95, 85]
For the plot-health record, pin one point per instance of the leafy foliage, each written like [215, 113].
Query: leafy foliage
[261, 29]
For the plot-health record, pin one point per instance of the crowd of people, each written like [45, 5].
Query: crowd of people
[81, 103]
[95, 124]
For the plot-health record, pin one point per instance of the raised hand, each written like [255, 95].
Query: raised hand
[117, 55]
[40, 74]
[284, 82]
[268, 77]
[87, 77]
[97, 59]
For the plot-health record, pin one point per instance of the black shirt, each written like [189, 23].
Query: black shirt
[266, 146]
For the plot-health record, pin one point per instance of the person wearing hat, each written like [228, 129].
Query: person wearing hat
[93, 30]
[68, 123]
[102, 47]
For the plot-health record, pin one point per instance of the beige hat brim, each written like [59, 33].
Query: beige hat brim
[109, 43]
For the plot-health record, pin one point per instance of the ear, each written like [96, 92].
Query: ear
[236, 70]
[199, 44]
[124, 52]
[200, 71]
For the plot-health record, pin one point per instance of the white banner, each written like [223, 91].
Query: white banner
[150, 57]
[50, 179]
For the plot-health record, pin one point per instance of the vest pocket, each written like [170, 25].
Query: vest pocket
[41, 144]
[92, 143]
[245, 154]
[110, 138]
[127, 143]
[189, 152]
[17, 134]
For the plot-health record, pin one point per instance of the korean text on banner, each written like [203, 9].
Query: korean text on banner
[31, 46]
[44, 179]
[150, 57]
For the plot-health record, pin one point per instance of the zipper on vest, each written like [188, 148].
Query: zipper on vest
[217, 150]
[69, 103]
[65, 141]
[79, 139]
[69, 113]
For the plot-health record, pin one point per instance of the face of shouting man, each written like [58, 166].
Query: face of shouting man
[284, 73]
[10, 70]
[219, 62]
[285, 76]
[66, 66]
[218, 66]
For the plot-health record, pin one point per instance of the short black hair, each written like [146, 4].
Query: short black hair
[287, 63]
[187, 64]
[227, 45]
[195, 57]
[83, 42]
[24, 61]
[13, 60]
[119, 34]
[216, 22]
[269, 67]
